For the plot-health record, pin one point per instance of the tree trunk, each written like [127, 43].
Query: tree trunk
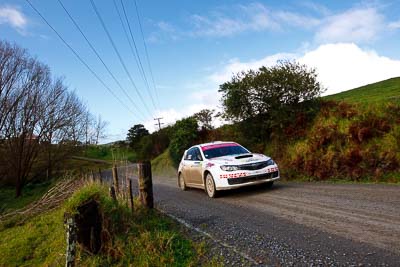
[18, 188]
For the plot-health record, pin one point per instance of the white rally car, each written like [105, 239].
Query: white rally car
[224, 165]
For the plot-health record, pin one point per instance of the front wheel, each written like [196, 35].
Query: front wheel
[210, 186]
[181, 182]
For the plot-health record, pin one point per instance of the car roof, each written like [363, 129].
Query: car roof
[217, 142]
[213, 143]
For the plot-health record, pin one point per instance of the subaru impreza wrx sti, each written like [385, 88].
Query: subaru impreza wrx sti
[224, 165]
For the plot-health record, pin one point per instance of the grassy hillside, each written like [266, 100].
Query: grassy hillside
[382, 91]
[347, 142]
[163, 166]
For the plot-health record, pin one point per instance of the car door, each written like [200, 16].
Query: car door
[186, 162]
[196, 168]
[187, 165]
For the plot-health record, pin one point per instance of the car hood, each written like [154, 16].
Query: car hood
[240, 159]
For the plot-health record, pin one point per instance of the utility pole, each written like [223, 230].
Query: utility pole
[159, 123]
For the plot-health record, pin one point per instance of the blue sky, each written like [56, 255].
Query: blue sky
[194, 46]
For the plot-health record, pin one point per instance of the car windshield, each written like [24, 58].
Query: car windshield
[215, 151]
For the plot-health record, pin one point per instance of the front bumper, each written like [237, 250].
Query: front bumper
[232, 183]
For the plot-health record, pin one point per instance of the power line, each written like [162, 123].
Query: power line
[135, 55]
[99, 57]
[137, 52]
[159, 123]
[80, 58]
[147, 53]
[119, 55]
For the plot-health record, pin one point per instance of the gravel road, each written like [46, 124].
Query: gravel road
[299, 224]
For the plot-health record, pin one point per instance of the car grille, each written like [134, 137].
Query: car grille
[254, 166]
[242, 180]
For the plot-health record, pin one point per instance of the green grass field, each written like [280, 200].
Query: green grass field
[377, 92]
[109, 153]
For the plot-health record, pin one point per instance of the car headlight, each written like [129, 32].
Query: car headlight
[270, 162]
[229, 168]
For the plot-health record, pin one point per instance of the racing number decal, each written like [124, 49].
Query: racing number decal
[233, 175]
[274, 169]
[243, 174]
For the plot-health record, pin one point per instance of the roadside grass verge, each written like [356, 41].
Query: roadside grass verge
[37, 242]
[144, 238]
[392, 178]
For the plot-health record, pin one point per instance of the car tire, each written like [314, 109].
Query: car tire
[181, 182]
[210, 186]
[269, 184]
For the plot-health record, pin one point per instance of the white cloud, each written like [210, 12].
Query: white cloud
[318, 8]
[344, 66]
[166, 26]
[231, 20]
[234, 66]
[297, 20]
[170, 116]
[355, 25]
[340, 66]
[361, 24]
[394, 25]
[253, 17]
[13, 17]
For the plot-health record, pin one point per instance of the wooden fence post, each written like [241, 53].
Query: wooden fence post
[71, 242]
[130, 194]
[127, 186]
[112, 193]
[115, 178]
[145, 184]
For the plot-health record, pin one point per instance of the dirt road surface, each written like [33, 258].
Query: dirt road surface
[300, 224]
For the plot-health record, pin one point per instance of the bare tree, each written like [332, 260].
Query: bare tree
[100, 129]
[89, 121]
[23, 129]
[13, 74]
[62, 108]
[38, 116]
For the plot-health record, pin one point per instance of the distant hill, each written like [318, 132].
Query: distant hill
[380, 91]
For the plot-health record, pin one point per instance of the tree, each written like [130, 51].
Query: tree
[99, 129]
[14, 70]
[36, 113]
[135, 134]
[183, 136]
[89, 121]
[272, 94]
[204, 118]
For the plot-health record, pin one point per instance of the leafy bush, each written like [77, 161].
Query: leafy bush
[184, 134]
